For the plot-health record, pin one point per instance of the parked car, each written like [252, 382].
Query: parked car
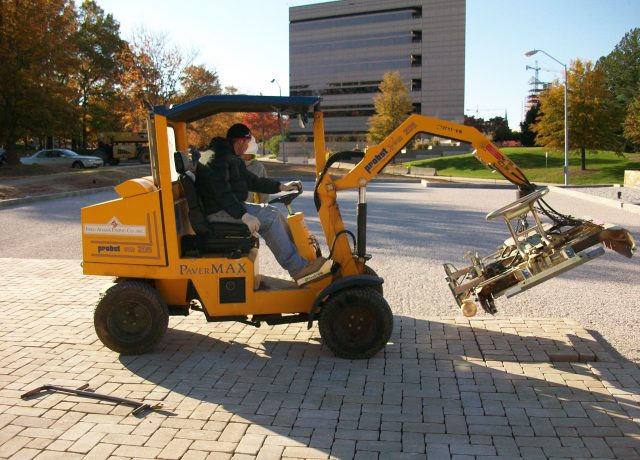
[62, 157]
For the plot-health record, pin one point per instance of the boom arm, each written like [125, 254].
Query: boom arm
[534, 254]
[378, 156]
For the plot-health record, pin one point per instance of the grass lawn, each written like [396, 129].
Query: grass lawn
[603, 167]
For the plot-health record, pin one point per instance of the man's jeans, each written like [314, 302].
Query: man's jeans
[275, 231]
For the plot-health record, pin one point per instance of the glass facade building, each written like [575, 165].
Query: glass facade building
[340, 50]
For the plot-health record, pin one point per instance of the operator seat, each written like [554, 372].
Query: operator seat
[229, 238]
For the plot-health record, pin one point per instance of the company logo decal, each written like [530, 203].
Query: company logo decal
[377, 159]
[214, 269]
[108, 248]
[115, 227]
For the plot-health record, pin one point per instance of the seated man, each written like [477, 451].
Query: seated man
[224, 184]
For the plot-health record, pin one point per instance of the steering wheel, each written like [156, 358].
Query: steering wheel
[519, 206]
[287, 198]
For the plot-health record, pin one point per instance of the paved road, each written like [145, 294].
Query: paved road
[441, 389]
[412, 232]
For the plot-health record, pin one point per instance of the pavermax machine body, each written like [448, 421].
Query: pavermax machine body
[168, 260]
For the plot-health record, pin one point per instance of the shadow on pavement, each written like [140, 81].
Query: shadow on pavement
[475, 386]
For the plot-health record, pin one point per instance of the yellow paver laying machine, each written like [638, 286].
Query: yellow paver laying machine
[167, 259]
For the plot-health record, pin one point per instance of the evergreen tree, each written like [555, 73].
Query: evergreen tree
[527, 136]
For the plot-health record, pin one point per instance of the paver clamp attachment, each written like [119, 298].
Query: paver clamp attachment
[533, 254]
[84, 390]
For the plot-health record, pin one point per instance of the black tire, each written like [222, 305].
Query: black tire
[356, 323]
[144, 155]
[77, 165]
[371, 272]
[131, 318]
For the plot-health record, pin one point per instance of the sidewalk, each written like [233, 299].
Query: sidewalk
[443, 388]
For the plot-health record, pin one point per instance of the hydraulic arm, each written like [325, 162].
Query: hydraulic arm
[534, 252]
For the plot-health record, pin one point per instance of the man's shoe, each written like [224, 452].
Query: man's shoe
[315, 269]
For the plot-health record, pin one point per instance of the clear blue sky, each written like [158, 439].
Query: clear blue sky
[247, 41]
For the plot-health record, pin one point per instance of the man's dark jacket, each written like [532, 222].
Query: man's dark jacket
[224, 182]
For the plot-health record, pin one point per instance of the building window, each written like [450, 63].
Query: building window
[417, 107]
[416, 60]
[416, 36]
[416, 13]
[416, 84]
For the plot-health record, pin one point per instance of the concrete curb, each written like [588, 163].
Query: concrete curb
[484, 183]
[427, 184]
[51, 196]
[455, 182]
[634, 208]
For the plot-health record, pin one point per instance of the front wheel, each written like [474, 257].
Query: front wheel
[77, 165]
[371, 272]
[131, 318]
[356, 323]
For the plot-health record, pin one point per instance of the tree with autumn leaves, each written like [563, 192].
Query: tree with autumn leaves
[38, 60]
[593, 117]
[393, 105]
[66, 73]
[604, 106]
[264, 126]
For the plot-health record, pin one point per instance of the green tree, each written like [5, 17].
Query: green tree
[498, 129]
[632, 122]
[99, 43]
[593, 117]
[621, 68]
[622, 72]
[36, 59]
[527, 136]
[392, 105]
[273, 145]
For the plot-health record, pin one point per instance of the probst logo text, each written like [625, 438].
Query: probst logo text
[377, 159]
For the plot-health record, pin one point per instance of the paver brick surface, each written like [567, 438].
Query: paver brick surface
[443, 387]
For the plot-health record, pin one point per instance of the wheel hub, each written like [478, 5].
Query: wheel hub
[356, 326]
[130, 322]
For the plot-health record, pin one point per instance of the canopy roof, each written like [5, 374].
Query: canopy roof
[206, 106]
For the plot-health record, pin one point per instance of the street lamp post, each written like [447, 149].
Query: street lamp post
[284, 157]
[566, 113]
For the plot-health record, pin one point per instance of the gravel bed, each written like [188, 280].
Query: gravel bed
[627, 194]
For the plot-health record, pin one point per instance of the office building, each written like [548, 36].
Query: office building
[340, 50]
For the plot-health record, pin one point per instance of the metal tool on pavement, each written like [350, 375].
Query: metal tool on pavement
[85, 391]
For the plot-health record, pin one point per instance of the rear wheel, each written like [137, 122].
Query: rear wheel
[131, 318]
[356, 323]
[77, 165]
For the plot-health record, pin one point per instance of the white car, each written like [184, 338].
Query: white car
[62, 157]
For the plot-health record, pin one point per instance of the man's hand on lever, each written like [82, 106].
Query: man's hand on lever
[295, 185]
